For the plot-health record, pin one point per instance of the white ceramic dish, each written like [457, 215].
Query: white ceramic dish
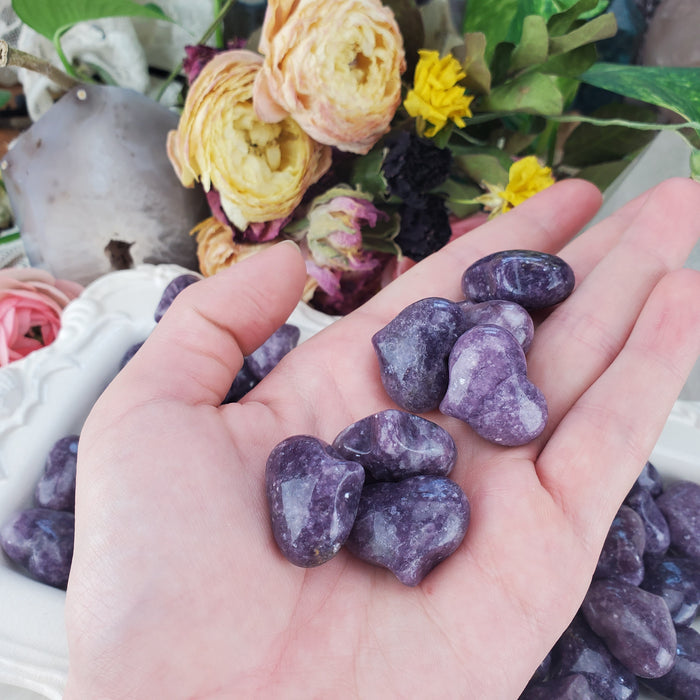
[48, 395]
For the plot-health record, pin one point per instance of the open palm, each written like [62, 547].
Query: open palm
[177, 588]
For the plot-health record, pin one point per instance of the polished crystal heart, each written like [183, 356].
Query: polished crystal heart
[489, 389]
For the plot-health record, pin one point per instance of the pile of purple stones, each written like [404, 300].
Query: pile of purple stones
[633, 628]
[380, 489]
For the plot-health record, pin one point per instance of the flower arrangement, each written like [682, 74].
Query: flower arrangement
[31, 303]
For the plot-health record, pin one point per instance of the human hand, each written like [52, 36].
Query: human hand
[177, 588]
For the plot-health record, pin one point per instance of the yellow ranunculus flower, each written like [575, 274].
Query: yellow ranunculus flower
[435, 96]
[525, 178]
[334, 66]
[261, 171]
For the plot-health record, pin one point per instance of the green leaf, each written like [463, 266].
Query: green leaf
[562, 22]
[570, 64]
[5, 97]
[492, 18]
[597, 29]
[531, 93]
[534, 44]
[673, 88]
[457, 195]
[367, 172]
[602, 175]
[53, 17]
[478, 80]
[483, 167]
[695, 165]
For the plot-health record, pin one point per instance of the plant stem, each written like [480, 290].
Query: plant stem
[10, 56]
[210, 30]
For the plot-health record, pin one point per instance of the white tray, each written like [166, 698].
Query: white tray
[48, 395]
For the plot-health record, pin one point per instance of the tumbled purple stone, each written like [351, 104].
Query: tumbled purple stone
[393, 444]
[489, 389]
[542, 671]
[579, 650]
[623, 549]
[680, 504]
[572, 687]
[649, 479]
[409, 526]
[682, 682]
[506, 314]
[174, 287]
[313, 496]
[634, 624]
[263, 360]
[530, 278]
[677, 581]
[412, 350]
[41, 540]
[242, 383]
[56, 486]
[658, 536]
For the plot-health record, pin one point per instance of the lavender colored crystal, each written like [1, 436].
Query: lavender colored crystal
[242, 383]
[489, 389]
[313, 496]
[677, 581]
[506, 314]
[580, 651]
[530, 278]
[412, 350]
[634, 624]
[649, 479]
[658, 536]
[623, 550]
[680, 504]
[409, 526]
[41, 540]
[263, 360]
[56, 486]
[393, 444]
[572, 687]
[174, 287]
[682, 682]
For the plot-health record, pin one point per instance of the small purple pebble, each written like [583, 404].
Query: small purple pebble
[242, 383]
[409, 526]
[506, 314]
[489, 389]
[623, 550]
[412, 350]
[650, 479]
[682, 682]
[575, 686]
[658, 536]
[171, 291]
[680, 504]
[56, 486]
[530, 278]
[313, 496]
[41, 540]
[392, 445]
[634, 624]
[263, 360]
[677, 581]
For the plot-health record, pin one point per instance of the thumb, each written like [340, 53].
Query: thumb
[198, 346]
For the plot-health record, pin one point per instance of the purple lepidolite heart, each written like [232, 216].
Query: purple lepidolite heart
[507, 314]
[413, 348]
[530, 278]
[409, 526]
[313, 495]
[489, 388]
[393, 445]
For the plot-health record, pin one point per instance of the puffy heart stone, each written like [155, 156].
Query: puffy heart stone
[413, 348]
[393, 445]
[530, 278]
[507, 314]
[489, 389]
[313, 496]
[409, 526]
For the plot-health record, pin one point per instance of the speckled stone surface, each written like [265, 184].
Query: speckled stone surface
[41, 540]
[412, 350]
[409, 526]
[680, 504]
[635, 625]
[56, 486]
[677, 581]
[263, 360]
[657, 535]
[682, 682]
[575, 686]
[489, 389]
[174, 287]
[313, 495]
[506, 314]
[623, 549]
[530, 278]
[393, 445]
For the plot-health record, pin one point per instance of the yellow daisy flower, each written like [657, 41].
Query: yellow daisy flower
[436, 97]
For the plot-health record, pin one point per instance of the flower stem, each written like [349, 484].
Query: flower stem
[10, 56]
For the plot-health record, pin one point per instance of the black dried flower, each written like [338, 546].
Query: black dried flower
[425, 226]
[414, 165]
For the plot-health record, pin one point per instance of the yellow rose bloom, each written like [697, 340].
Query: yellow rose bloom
[525, 178]
[261, 171]
[436, 97]
[334, 66]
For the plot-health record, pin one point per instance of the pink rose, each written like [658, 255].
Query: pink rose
[31, 302]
